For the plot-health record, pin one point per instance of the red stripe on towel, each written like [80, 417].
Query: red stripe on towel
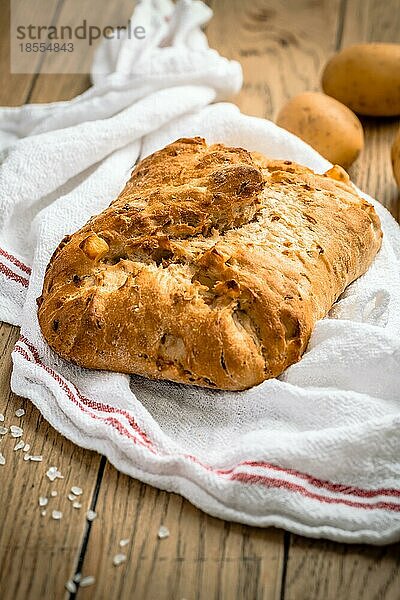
[15, 261]
[245, 478]
[11, 275]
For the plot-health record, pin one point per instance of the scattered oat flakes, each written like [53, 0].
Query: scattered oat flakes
[53, 493]
[20, 412]
[53, 473]
[1, 417]
[77, 577]
[91, 515]
[16, 431]
[2, 459]
[3, 430]
[56, 514]
[43, 513]
[77, 491]
[71, 497]
[27, 447]
[27, 457]
[36, 458]
[19, 445]
[163, 532]
[70, 586]
[88, 580]
[124, 542]
[43, 500]
[119, 559]
[76, 504]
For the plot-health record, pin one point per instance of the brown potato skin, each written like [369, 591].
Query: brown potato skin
[326, 124]
[366, 78]
[396, 158]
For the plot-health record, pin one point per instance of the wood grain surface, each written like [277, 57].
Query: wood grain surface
[283, 46]
[202, 558]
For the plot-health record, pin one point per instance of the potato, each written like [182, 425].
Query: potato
[326, 124]
[366, 78]
[396, 158]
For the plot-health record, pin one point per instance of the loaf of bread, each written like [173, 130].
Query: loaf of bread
[211, 267]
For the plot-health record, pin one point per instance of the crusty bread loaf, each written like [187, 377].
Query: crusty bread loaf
[210, 268]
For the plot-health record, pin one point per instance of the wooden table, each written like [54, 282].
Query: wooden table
[282, 46]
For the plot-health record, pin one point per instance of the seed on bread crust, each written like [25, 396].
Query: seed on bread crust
[94, 247]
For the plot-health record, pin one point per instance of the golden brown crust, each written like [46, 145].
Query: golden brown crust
[210, 268]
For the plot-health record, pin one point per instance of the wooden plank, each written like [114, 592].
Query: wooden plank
[373, 170]
[112, 14]
[202, 558]
[14, 89]
[281, 45]
[51, 88]
[371, 21]
[320, 569]
[70, 79]
[38, 554]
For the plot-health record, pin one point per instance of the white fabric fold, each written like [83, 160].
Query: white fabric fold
[315, 451]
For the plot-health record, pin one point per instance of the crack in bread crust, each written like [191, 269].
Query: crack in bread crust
[210, 268]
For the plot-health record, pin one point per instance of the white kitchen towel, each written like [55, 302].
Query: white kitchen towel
[315, 451]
